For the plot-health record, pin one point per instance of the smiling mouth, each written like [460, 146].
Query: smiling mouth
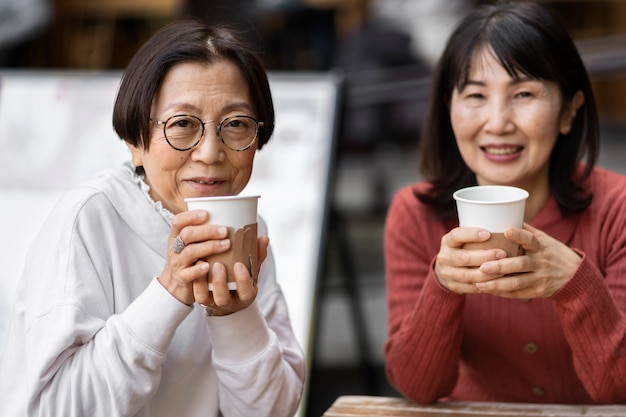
[205, 182]
[509, 150]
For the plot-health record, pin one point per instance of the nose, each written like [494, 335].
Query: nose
[499, 117]
[210, 149]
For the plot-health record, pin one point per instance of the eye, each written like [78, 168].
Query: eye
[524, 94]
[180, 129]
[183, 123]
[238, 123]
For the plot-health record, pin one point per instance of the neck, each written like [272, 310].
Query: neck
[537, 199]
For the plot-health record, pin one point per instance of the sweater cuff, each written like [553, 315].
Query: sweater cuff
[155, 315]
[583, 279]
[433, 282]
[239, 336]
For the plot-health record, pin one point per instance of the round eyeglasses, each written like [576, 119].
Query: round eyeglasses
[184, 132]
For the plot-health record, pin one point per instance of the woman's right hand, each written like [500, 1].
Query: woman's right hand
[201, 240]
[457, 269]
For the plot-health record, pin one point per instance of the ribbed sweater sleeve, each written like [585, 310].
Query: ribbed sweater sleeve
[422, 350]
[592, 306]
[589, 314]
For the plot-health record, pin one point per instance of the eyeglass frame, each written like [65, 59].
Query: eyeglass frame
[218, 130]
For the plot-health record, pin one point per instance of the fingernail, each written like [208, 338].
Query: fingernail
[222, 230]
[483, 234]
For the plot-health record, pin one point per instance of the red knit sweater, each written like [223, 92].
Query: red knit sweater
[569, 348]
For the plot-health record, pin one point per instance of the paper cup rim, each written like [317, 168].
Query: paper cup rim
[221, 198]
[523, 194]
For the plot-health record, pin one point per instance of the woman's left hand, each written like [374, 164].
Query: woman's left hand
[222, 301]
[545, 268]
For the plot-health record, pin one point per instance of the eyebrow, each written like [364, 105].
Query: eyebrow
[192, 108]
[514, 81]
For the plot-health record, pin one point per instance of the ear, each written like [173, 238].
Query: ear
[136, 154]
[569, 112]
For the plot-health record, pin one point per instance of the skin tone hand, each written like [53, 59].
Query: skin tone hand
[201, 240]
[185, 274]
[222, 301]
[545, 268]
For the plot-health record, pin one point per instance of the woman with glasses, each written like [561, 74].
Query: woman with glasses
[113, 313]
[512, 104]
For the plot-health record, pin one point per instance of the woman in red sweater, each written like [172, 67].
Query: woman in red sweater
[512, 104]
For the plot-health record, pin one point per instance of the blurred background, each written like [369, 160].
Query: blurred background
[385, 49]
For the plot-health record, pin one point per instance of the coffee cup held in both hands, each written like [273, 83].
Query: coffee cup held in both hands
[495, 208]
[239, 215]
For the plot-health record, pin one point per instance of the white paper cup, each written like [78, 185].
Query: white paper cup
[239, 215]
[495, 208]
[492, 207]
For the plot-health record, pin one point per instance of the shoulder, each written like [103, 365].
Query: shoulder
[407, 194]
[603, 175]
[94, 194]
[607, 210]
[413, 230]
[405, 199]
[110, 197]
[407, 210]
[607, 186]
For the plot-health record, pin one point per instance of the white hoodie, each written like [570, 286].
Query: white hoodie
[94, 333]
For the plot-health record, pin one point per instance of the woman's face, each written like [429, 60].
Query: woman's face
[506, 129]
[211, 92]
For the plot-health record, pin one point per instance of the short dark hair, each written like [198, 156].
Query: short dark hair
[527, 40]
[186, 41]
